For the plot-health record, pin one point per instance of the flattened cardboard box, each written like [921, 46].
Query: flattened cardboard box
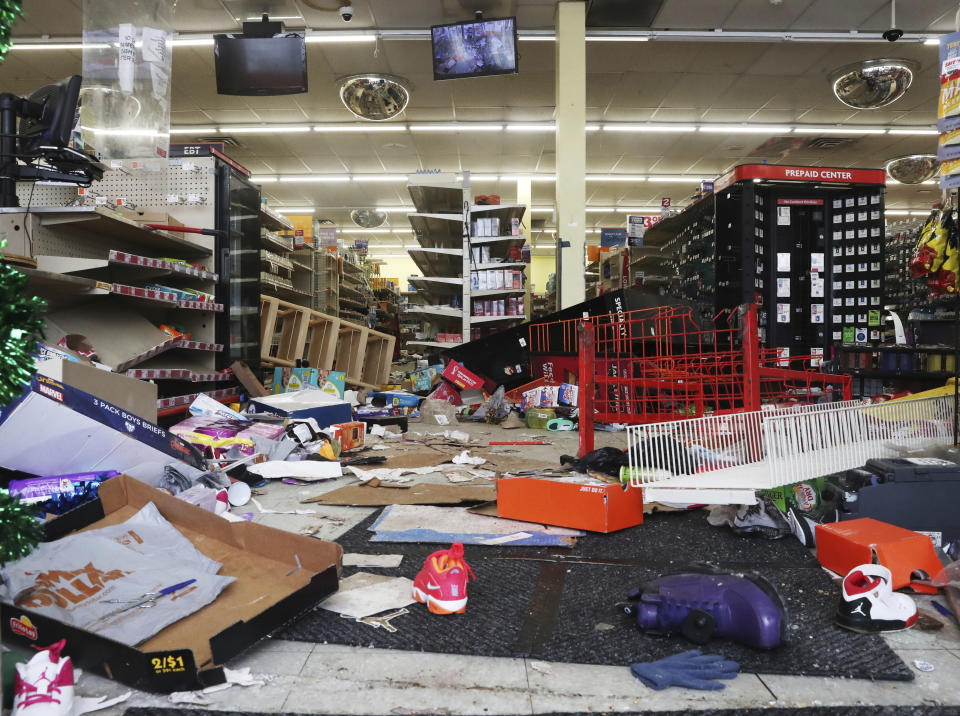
[270, 591]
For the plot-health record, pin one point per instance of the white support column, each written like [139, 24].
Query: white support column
[571, 141]
[524, 199]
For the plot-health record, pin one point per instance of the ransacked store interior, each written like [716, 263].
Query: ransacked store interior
[492, 357]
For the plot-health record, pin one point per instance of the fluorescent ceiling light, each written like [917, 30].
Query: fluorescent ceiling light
[531, 127]
[60, 46]
[484, 177]
[541, 210]
[332, 37]
[615, 177]
[401, 231]
[617, 38]
[192, 42]
[123, 132]
[674, 179]
[838, 130]
[317, 178]
[371, 127]
[380, 177]
[192, 130]
[384, 246]
[591, 127]
[744, 128]
[285, 210]
[263, 180]
[913, 131]
[932, 41]
[600, 210]
[364, 231]
[896, 212]
[649, 128]
[395, 209]
[456, 127]
[271, 128]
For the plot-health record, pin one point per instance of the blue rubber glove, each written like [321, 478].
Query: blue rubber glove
[691, 670]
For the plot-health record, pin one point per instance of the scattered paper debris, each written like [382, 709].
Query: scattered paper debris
[486, 474]
[302, 469]
[188, 697]
[364, 594]
[925, 666]
[465, 458]
[353, 559]
[379, 446]
[237, 677]
[280, 512]
[542, 666]
[392, 474]
[507, 538]
[456, 477]
[86, 704]
[603, 626]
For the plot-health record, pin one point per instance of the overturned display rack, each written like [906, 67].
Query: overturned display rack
[291, 333]
[725, 459]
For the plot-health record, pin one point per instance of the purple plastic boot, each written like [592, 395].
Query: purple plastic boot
[701, 606]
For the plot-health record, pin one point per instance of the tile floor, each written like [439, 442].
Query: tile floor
[334, 679]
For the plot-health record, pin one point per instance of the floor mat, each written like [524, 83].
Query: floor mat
[808, 711]
[556, 605]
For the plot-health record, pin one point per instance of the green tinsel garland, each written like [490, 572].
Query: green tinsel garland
[20, 323]
[10, 12]
[19, 529]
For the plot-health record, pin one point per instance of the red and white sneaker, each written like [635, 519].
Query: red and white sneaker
[869, 604]
[44, 685]
[442, 583]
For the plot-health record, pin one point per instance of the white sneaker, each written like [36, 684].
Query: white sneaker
[869, 605]
[44, 685]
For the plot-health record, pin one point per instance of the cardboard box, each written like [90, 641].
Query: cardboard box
[461, 377]
[395, 398]
[349, 435]
[137, 397]
[269, 592]
[841, 546]
[322, 407]
[598, 508]
[101, 435]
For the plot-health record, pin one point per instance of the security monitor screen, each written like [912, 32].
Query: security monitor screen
[475, 49]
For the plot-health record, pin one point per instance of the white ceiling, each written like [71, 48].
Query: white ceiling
[778, 82]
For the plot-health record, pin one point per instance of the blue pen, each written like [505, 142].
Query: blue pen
[145, 600]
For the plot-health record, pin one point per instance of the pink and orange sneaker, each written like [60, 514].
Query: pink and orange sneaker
[442, 583]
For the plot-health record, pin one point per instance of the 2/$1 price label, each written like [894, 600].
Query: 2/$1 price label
[172, 663]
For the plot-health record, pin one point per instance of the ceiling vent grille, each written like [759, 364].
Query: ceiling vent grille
[830, 142]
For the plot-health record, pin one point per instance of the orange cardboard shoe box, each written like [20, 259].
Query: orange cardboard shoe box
[597, 508]
[841, 546]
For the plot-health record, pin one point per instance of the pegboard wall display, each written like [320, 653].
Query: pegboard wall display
[185, 182]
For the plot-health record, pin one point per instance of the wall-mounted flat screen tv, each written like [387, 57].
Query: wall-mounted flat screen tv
[475, 49]
[260, 65]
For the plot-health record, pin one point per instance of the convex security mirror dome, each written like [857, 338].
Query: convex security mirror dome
[913, 169]
[872, 84]
[368, 218]
[375, 97]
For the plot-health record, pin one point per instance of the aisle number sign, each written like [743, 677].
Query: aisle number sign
[665, 202]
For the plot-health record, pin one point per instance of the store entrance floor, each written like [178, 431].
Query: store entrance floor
[334, 679]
